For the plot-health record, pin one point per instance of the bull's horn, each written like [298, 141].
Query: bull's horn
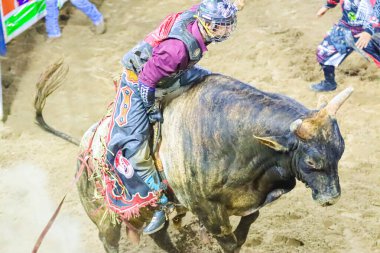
[304, 129]
[335, 103]
[321, 102]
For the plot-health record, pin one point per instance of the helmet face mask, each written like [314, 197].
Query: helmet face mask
[222, 31]
[218, 18]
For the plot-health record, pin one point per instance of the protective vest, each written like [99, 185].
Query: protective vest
[174, 26]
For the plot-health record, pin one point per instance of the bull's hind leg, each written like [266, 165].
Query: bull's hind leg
[162, 239]
[109, 233]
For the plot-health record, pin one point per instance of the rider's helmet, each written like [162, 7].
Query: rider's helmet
[218, 18]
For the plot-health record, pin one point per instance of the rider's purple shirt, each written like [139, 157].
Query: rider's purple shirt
[169, 57]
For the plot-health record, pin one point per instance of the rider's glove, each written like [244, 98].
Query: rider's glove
[147, 95]
[155, 115]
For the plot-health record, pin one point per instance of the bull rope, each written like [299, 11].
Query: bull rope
[55, 214]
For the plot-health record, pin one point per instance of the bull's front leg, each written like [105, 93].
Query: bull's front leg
[215, 218]
[242, 229]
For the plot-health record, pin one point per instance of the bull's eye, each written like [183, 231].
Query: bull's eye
[311, 164]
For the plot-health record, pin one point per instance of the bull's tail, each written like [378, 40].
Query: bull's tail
[50, 80]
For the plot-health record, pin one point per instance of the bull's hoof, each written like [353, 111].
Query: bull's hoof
[237, 250]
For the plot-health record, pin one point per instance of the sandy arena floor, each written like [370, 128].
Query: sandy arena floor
[273, 49]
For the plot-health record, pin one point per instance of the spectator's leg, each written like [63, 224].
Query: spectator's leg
[51, 19]
[329, 84]
[90, 10]
[330, 53]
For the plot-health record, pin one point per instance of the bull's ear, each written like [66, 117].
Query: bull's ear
[278, 143]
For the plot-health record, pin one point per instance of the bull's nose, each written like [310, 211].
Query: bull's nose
[328, 201]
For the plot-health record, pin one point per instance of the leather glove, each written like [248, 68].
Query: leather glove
[147, 94]
[155, 115]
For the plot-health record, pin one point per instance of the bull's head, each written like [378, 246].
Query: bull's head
[316, 146]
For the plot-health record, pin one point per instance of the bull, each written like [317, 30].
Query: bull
[230, 149]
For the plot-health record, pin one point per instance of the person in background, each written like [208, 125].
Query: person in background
[357, 30]
[52, 14]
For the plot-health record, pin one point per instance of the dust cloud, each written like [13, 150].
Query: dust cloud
[26, 207]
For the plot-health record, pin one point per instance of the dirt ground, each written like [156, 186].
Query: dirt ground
[273, 49]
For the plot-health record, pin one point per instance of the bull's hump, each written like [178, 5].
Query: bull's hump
[227, 91]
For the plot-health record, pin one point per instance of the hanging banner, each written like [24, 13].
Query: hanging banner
[19, 15]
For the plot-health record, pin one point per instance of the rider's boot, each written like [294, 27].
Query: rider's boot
[157, 222]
